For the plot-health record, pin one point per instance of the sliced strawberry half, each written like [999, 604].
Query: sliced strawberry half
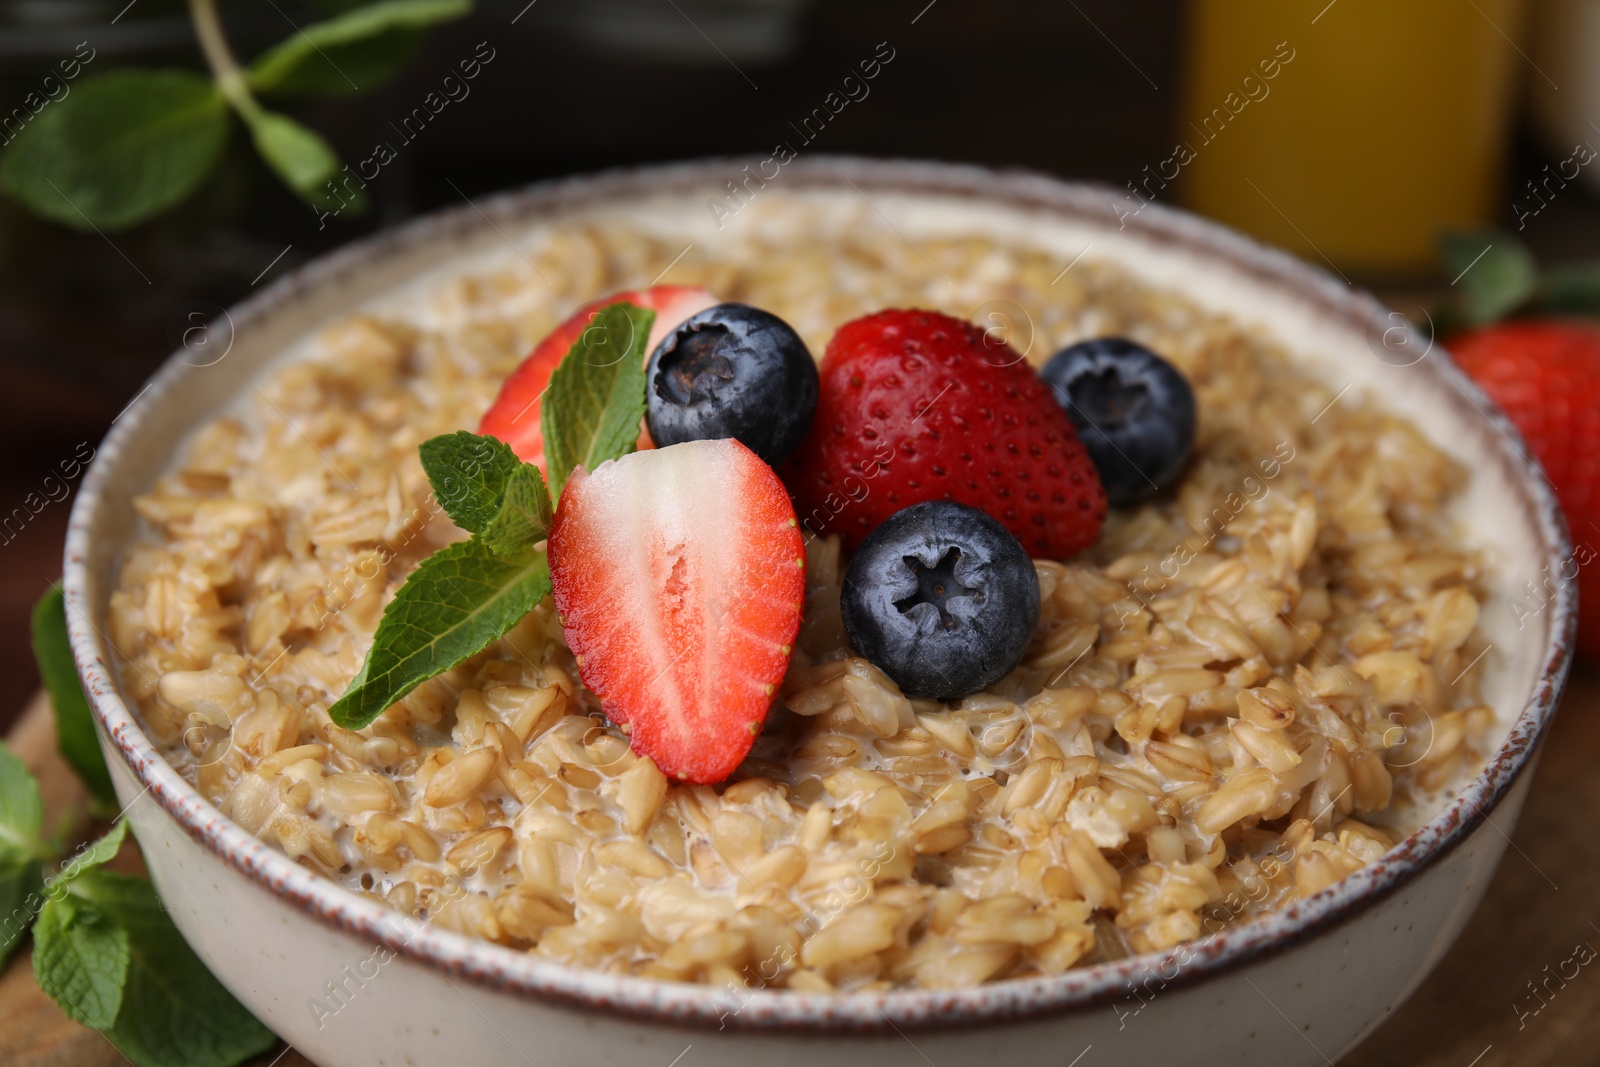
[514, 416]
[679, 574]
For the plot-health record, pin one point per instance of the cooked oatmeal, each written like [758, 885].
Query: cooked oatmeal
[1228, 705]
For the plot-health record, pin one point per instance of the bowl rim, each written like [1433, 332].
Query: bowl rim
[496, 967]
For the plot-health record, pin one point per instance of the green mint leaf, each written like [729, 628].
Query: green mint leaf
[1495, 273]
[525, 514]
[174, 1012]
[591, 410]
[468, 474]
[75, 736]
[90, 856]
[487, 490]
[21, 809]
[352, 52]
[106, 952]
[21, 877]
[452, 606]
[299, 156]
[80, 958]
[122, 148]
[1571, 289]
[21, 874]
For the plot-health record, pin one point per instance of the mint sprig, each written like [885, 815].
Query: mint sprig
[123, 147]
[21, 851]
[1495, 276]
[461, 598]
[591, 411]
[104, 949]
[75, 736]
[106, 952]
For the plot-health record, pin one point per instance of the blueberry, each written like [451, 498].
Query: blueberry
[732, 371]
[942, 599]
[1134, 412]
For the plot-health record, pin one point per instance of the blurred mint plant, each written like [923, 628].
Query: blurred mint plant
[128, 145]
[1497, 277]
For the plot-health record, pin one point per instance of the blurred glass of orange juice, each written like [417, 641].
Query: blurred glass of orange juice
[1351, 132]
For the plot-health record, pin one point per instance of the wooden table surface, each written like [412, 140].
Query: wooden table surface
[1476, 1010]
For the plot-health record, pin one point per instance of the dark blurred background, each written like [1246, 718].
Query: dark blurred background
[1389, 122]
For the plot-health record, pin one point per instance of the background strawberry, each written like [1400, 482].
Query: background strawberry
[918, 406]
[1546, 376]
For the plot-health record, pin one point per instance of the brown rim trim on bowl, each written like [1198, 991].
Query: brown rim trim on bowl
[696, 1006]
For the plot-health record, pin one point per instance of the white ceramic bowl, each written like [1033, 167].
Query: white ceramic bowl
[1298, 987]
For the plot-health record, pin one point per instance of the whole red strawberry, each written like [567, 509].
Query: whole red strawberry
[918, 406]
[1546, 376]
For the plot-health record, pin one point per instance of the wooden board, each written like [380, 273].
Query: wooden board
[1479, 1009]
